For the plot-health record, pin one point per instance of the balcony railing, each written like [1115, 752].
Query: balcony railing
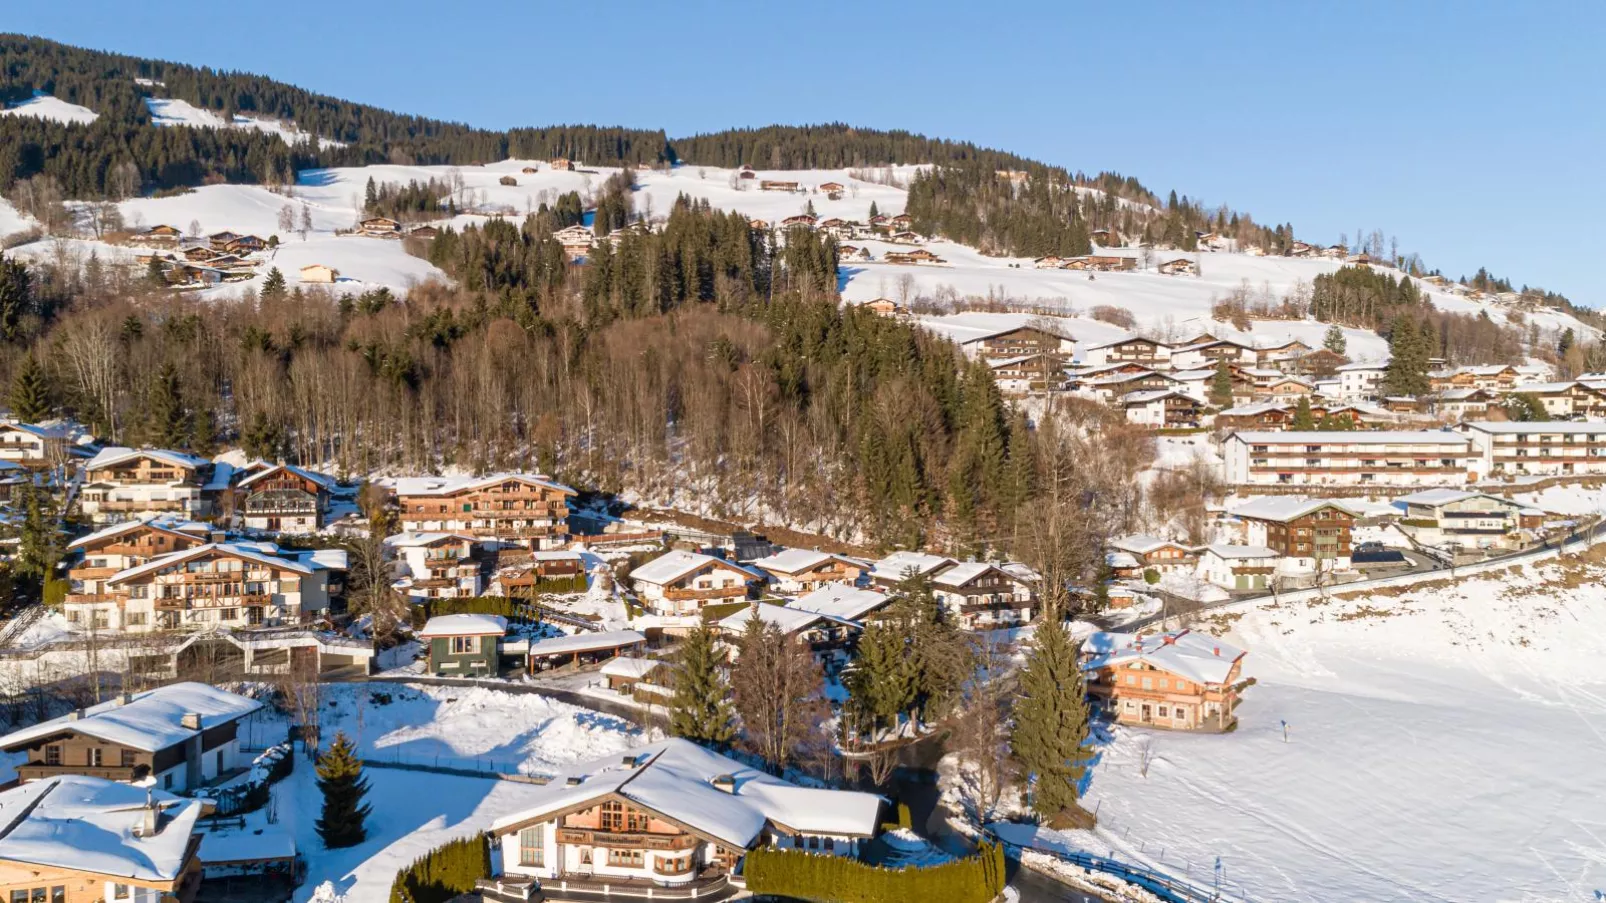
[729, 592]
[635, 840]
[193, 602]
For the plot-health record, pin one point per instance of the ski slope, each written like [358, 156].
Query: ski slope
[1445, 745]
[47, 106]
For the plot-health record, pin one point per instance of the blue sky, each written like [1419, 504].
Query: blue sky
[1469, 130]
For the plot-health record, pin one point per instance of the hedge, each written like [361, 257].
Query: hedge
[838, 879]
[512, 609]
[444, 872]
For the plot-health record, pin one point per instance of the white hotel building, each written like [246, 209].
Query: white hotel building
[1546, 448]
[1349, 458]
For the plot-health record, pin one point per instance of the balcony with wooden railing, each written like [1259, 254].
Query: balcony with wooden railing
[129, 505]
[734, 593]
[183, 603]
[632, 840]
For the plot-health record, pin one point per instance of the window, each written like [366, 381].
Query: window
[53, 755]
[1131, 680]
[625, 858]
[127, 758]
[465, 644]
[121, 892]
[1163, 711]
[95, 756]
[1148, 683]
[531, 847]
[134, 619]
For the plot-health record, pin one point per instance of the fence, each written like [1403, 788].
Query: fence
[1167, 887]
[269, 768]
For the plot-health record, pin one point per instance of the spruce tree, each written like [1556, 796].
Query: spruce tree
[1050, 735]
[273, 286]
[341, 780]
[1304, 420]
[167, 423]
[701, 708]
[1334, 341]
[1407, 372]
[30, 392]
[1221, 386]
[879, 684]
[155, 273]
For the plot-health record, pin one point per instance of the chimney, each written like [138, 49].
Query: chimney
[1218, 650]
[75, 714]
[124, 698]
[725, 782]
[573, 781]
[190, 721]
[150, 817]
[630, 761]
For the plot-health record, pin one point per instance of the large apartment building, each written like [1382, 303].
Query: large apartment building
[127, 483]
[515, 508]
[1545, 448]
[215, 585]
[1348, 458]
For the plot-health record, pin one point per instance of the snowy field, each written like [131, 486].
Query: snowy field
[1443, 745]
[45, 106]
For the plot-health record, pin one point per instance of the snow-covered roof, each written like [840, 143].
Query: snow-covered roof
[262, 553]
[792, 561]
[1131, 398]
[414, 486]
[424, 540]
[117, 454]
[327, 482]
[195, 529]
[675, 779]
[899, 565]
[555, 555]
[1349, 437]
[785, 618]
[842, 601]
[1462, 394]
[1198, 657]
[1254, 410]
[1433, 498]
[674, 565]
[1547, 388]
[1142, 544]
[966, 571]
[1285, 508]
[464, 625]
[1120, 560]
[55, 431]
[626, 666]
[1223, 550]
[586, 642]
[1363, 368]
[150, 721]
[92, 824]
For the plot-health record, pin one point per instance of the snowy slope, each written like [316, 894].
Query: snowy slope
[1449, 749]
[172, 111]
[46, 106]
[13, 220]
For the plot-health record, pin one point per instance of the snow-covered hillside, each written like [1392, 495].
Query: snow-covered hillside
[1443, 744]
[171, 111]
[46, 106]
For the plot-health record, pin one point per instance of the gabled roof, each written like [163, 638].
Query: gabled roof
[675, 779]
[842, 601]
[966, 571]
[793, 561]
[586, 642]
[319, 479]
[463, 625]
[257, 552]
[674, 565]
[425, 540]
[150, 721]
[430, 486]
[1143, 544]
[787, 619]
[1285, 508]
[117, 454]
[1196, 656]
[189, 529]
[1434, 498]
[899, 565]
[90, 825]
[626, 666]
[34, 429]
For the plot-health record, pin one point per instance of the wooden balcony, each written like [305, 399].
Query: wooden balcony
[91, 598]
[633, 840]
[163, 505]
[731, 593]
[36, 771]
[196, 602]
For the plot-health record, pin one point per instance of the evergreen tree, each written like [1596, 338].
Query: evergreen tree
[30, 392]
[39, 538]
[1304, 421]
[1334, 340]
[1221, 386]
[874, 211]
[156, 273]
[1565, 344]
[700, 709]
[273, 286]
[341, 780]
[1050, 736]
[879, 684]
[370, 197]
[1525, 407]
[167, 423]
[1407, 372]
[16, 291]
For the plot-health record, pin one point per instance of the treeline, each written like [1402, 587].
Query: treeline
[837, 146]
[398, 201]
[970, 204]
[1362, 297]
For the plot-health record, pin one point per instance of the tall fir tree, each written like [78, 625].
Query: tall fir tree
[1051, 721]
[1407, 371]
[341, 780]
[273, 286]
[880, 686]
[1221, 386]
[167, 423]
[700, 708]
[1304, 420]
[30, 392]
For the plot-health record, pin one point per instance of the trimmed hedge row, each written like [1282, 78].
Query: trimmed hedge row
[512, 609]
[837, 879]
[444, 872]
